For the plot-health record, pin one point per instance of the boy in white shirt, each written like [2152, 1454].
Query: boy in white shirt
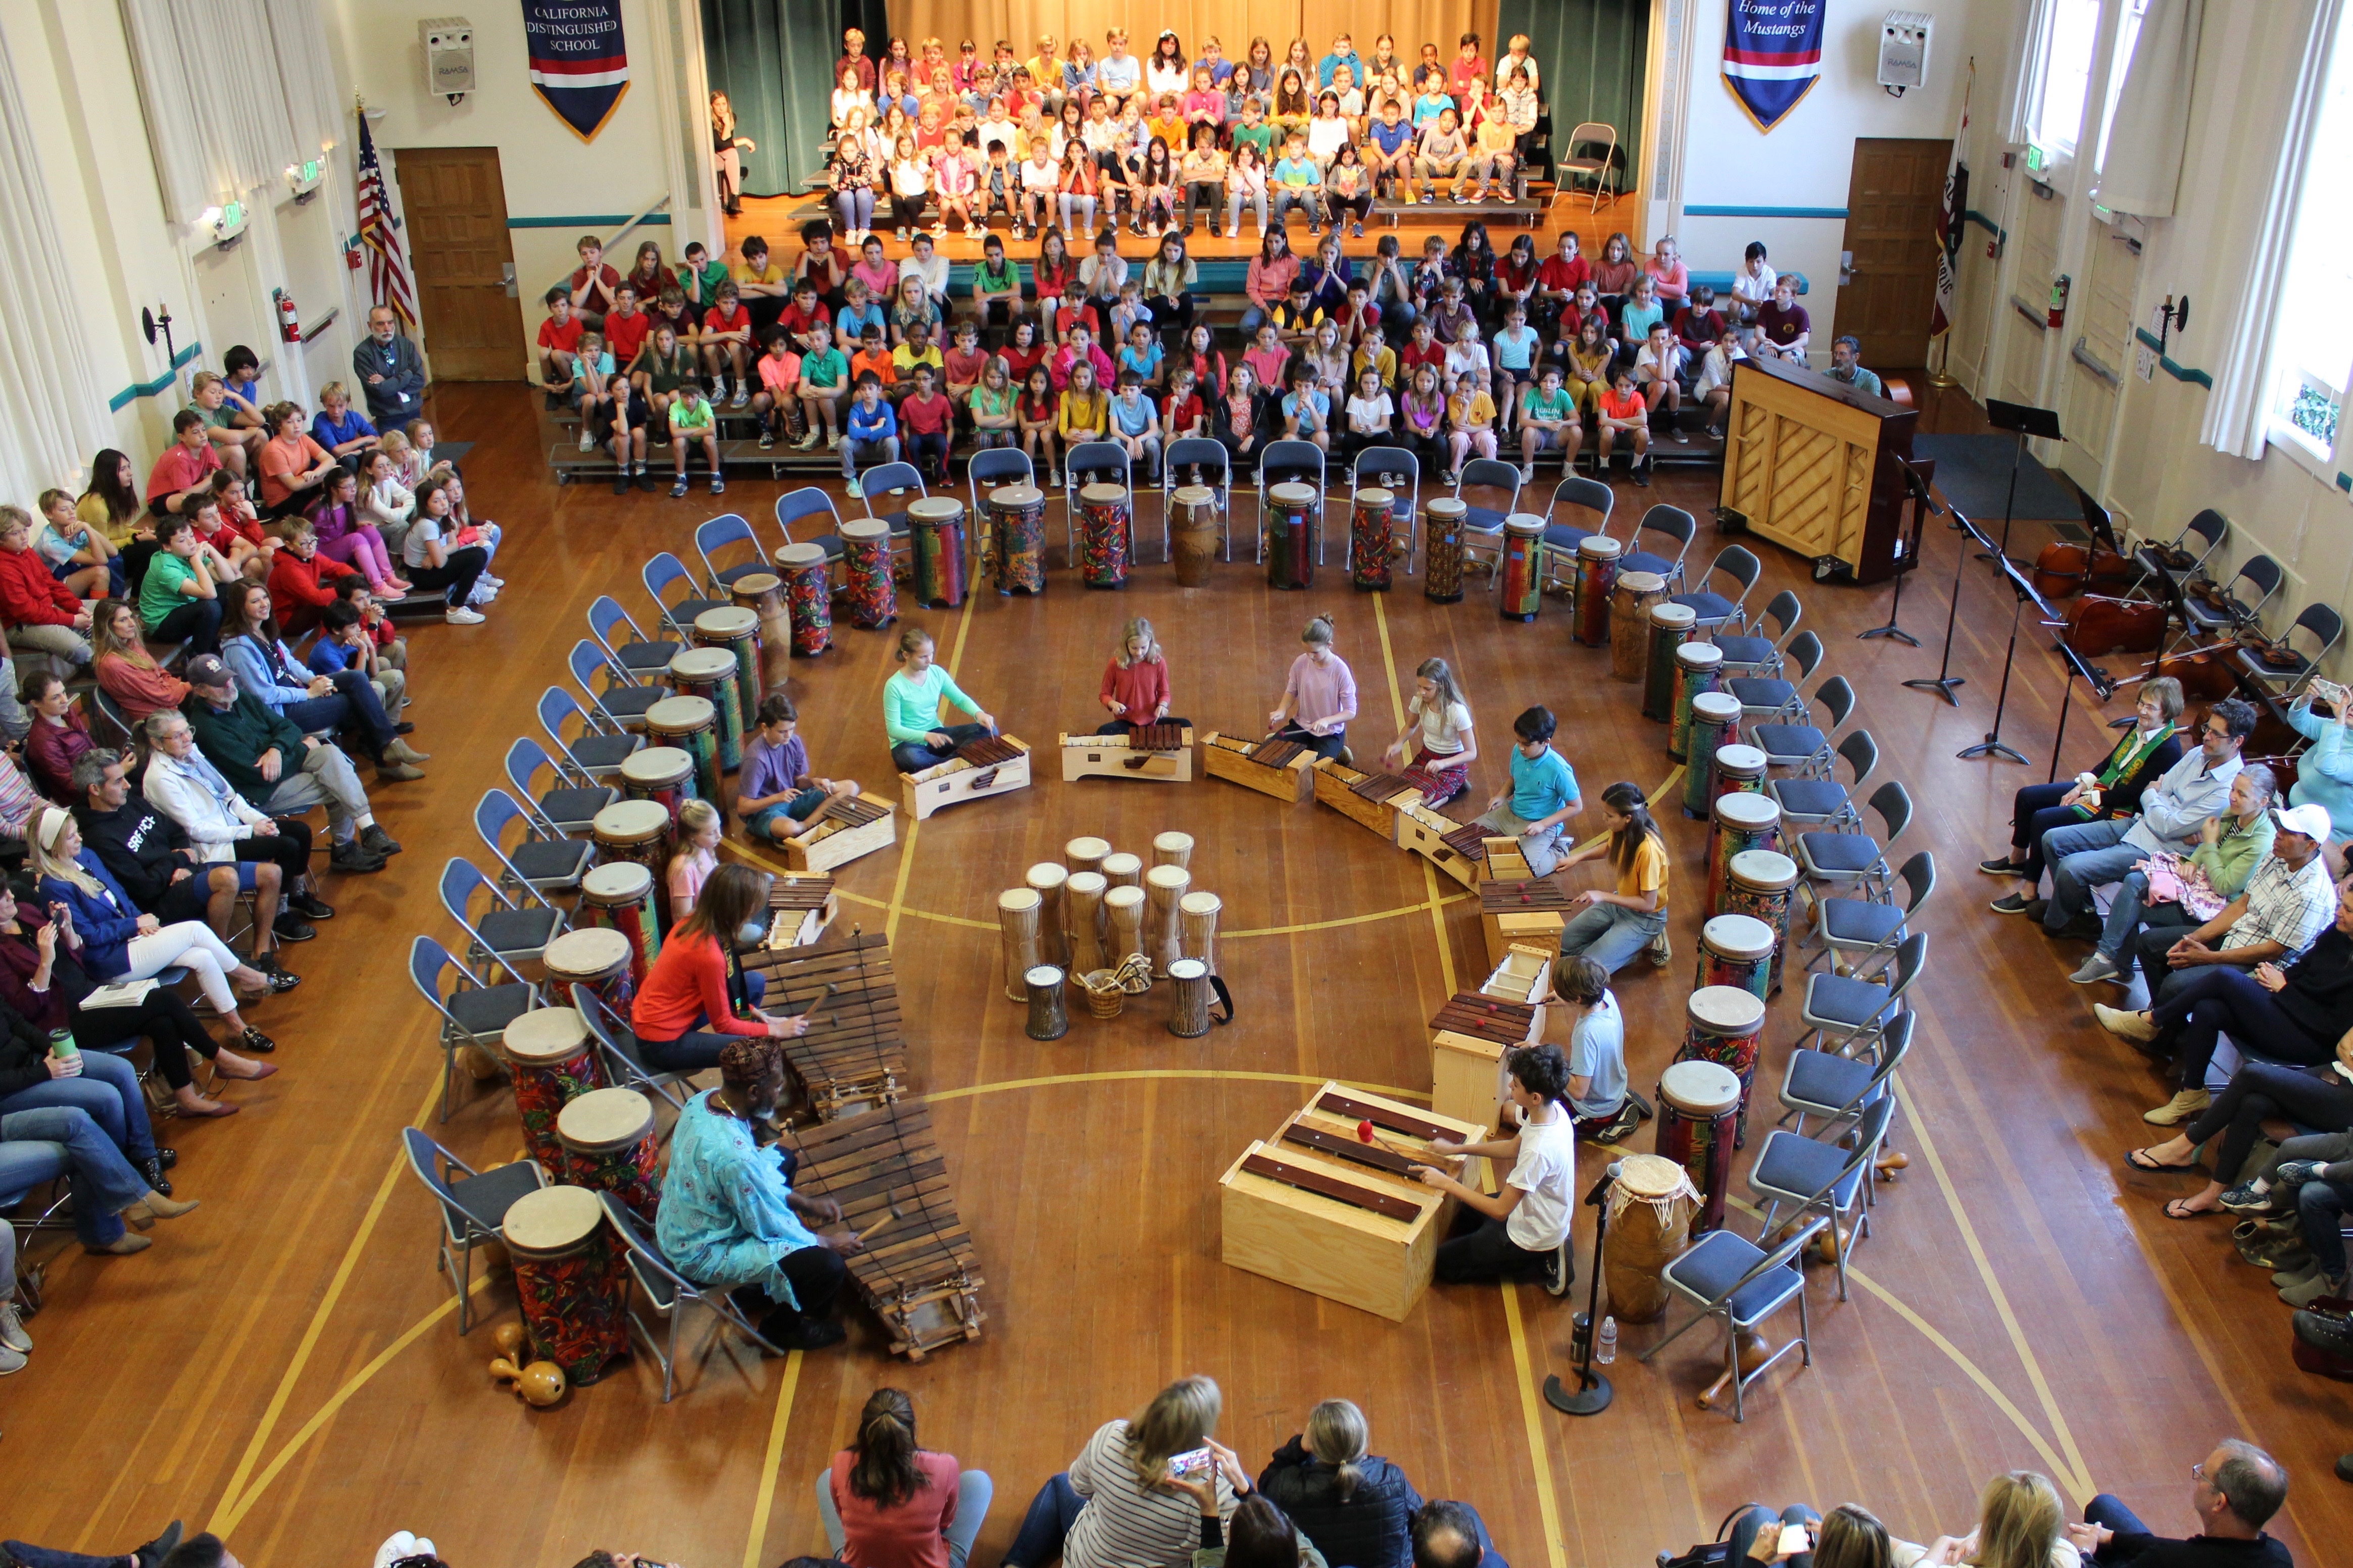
[1658, 371]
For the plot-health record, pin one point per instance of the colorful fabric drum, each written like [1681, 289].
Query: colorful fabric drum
[1725, 1027]
[1699, 1108]
[1715, 722]
[663, 774]
[609, 1146]
[763, 594]
[1590, 588]
[1698, 669]
[1735, 950]
[1739, 770]
[1760, 882]
[1290, 536]
[1442, 522]
[808, 593]
[637, 832]
[570, 1279]
[1670, 628]
[1651, 1211]
[1519, 576]
[620, 896]
[872, 599]
[1106, 534]
[736, 629]
[1743, 822]
[1372, 525]
[1630, 621]
[1193, 535]
[1016, 518]
[936, 523]
[594, 956]
[550, 1057]
[692, 724]
[710, 673]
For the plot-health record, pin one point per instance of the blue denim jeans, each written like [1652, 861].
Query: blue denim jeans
[108, 1091]
[2125, 914]
[2322, 1207]
[61, 1140]
[1610, 934]
[2082, 859]
[1051, 1513]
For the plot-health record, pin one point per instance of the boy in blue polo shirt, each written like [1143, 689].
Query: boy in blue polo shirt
[1543, 797]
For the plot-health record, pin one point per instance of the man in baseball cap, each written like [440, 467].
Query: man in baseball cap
[279, 769]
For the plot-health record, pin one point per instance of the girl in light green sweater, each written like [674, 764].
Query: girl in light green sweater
[911, 707]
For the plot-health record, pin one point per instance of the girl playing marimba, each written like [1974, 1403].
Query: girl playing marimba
[686, 1010]
[1614, 926]
[911, 707]
[1517, 1233]
[1135, 682]
[1319, 697]
[777, 796]
[1437, 738]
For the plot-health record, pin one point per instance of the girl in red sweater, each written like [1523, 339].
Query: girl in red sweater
[696, 998]
[1135, 682]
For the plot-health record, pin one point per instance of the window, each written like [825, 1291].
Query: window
[2066, 74]
[2119, 59]
[2315, 341]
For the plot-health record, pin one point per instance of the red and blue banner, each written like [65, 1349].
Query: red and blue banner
[579, 60]
[1772, 54]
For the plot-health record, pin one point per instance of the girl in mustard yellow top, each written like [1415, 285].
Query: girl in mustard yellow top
[1085, 410]
[1611, 927]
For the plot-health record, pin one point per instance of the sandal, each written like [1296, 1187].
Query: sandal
[2133, 1159]
[2175, 1210]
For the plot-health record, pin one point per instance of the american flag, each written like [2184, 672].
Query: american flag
[388, 261]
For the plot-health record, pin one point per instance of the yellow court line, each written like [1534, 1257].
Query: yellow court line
[1130, 1075]
[1434, 901]
[761, 1506]
[1532, 1410]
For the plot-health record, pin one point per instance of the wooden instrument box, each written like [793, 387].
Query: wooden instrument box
[1812, 464]
[800, 908]
[1524, 975]
[1514, 907]
[1228, 757]
[847, 829]
[1374, 800]
[1118, 757]
[960, 779]
[1444, 844]
[1316, 1207]
[1467, 1042]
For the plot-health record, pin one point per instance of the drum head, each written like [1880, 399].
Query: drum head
[1641, 583]
[1168, 878]
[1744, 808]
[656, 766]
[678, 715]
[1375, 497]
[1764, 870]
[867, 530]
[703, 663]
[1651, 1178]
[1526, 524]
[1047, 874]
[1187, 969]
[545, 1035]
[1726, 1010]
[552, 1221]
[1737, 936]
[1122, 865]
[617, 882]
[1674, 618]
[604, 1119]
[1700, 1089]
[1195, 495]
[1045, 977]
[1087, 884]
[1453, 508]
[1015, 497]
[1200, 904]
[933, 508]
[1739, 760]
[1086, 849]
[1101, 495]
[1019, 900]
[732, 621]
[1693, 655]
[1720, 706]
[1122, 897]
[801, 557]
[588, 953]
[1599, 547]
[753, 586]
[1293, 493]
[1172, 843]
[632, 821]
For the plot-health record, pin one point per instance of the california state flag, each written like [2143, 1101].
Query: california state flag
[1949, 219]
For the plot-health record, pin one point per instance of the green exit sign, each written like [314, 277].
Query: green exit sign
[233, 215]
[2037, 160]
[309, 170]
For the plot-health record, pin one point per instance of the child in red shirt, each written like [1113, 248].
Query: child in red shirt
[963, 363]
[727, 343]
[927, 419]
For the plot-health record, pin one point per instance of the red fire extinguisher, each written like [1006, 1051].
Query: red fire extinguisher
[289, 325]
[2059, 300]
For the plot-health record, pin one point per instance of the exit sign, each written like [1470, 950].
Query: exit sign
[2037, 160]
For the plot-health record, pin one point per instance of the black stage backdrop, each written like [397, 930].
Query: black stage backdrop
[1593, 54]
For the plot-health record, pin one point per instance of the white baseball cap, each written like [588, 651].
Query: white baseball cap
[2311, 819]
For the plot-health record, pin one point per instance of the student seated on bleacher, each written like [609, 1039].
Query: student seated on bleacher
[343, 703]
[39, 612]
[126, 671]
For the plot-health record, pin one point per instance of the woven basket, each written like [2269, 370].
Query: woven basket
[1104, 998]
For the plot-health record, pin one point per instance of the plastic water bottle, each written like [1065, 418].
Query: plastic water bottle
[1606, 1351]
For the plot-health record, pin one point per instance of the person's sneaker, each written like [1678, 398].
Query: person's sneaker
[2125, 1025]
[587, 439]
[678, 487]
[1998, 866]
[647, 481]
[309, 906]
[390, 772]
[621, 483]
[11, 1361]
[459, 616]
[1679, 435]
[376, 841]
[2304, 1293]
[2035, 908]
[1559, 1270]
[2184, 1105]
[1662, 951]
[2099, 966]
[1642, 472]
[1715, 432]
[2330, 1332]
[2245, 1199]
[1528, 474]
[767, 439]
[292, 927]
[12, 1326]
[155, 1551]
[806, 443]
[855, 490]
[718, 485]
[833, 440]
[2009, 904]
[743, 396]
[1355, 231]
[1620, 1126]
[349, 856]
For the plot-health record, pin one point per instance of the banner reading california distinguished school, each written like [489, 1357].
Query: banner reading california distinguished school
[579, 60]
[1772, 54]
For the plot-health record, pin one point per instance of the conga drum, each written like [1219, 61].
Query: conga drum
[1591, 588]
[1163, 887]
[570, 1279]
[662, 774]
[1760, 882]
[1196, 927]
[620, 896]
[1715, 722]
[937, 526]
[549, 1056]
[1739, 770]
[1172, 849]
[1442, 522]
[736, 628]
[1725, 1027]
[1018, 913]
[1017, 519]
[1189, 1004]
[869, 596]
[1082, 897]
[1699, 1103]
[1193, 535]
[1049, 1016]
[1290, 542]
[1049, 881]
[594, 956]
[637, 832]
[1651, 1211]
[1670, 628]
[691, 724]
[1122, 869]
[1371, 522]
[609, 1146]
[1743, 822]
[1698, 669]
[1124, 913]
[763, 594]
[1630, 618]
[1519, 576]
[710, 673]
[1735, 950]
[808, 593]
[1106, 535]
[1085, 854]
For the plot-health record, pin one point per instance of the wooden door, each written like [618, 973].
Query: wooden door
[455, 204]
[1893, 197]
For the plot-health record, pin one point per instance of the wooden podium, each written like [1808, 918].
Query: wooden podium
[1812, 464]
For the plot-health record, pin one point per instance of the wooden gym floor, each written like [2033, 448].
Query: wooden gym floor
[282, 1366]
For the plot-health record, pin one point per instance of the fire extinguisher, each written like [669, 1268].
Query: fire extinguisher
[2059, 300]
[289, 325]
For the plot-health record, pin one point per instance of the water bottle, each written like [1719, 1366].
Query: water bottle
[1607, 1351]
[1580, 1334]
[62, 1045]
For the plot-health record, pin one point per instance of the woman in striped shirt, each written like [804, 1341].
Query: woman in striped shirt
[1120, 1504]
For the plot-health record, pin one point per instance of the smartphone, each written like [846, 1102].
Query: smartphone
[1794, 1539]
[2327, 691]
[1184, 1466]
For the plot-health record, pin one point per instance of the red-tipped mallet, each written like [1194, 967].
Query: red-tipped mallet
[1365, 1134]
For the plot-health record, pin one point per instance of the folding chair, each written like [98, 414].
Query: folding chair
[717, 534]
[1836, 1087]
[1482, 526]
[112, 728]
[619, 1044]
[1670, 522]
[1740, 569]
[1562, 539]
[476, 1012]
[1855, 859]
[670, 1293]
[1856, 1013]
[569, 807]
[640, 658]
[622, 701]
[1090, 463]
[1569, 168]
[1398, 472]
[2323, 626]
[596, 752]
[2201, 622]
[513, 931]
[1810, 801]
[473, 1206]
[1729, 1276]
[1806, 747]
[1753, 655]
[1284, 462]
[994, 469]
[660, 575]
[541, 863]
[1216, 466]
[893, 480]
[1775, 697]
[809, 502]
[1823, 1179]
[1861, 935]
[2199, 540]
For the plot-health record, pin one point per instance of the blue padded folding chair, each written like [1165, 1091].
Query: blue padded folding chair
[1828, 1179]
[716, 535]
[640, 658]
[543, 864]
[670, 1293]
[1835, 1089]
[570, 805]
[664, 573]
[1286, 462]
[2203, 623]
[1806, 746]
[813, 507]
[619, 1044]
[2322, 627]
[1216, 468]
[1398, 471]
[1773, 699]
[476, 1012]
[1592, 499]
[1855, 860]
[1855, 1012]
[1861, 935]
[1759, 652]
[1727, 1276]
[473, 1206]
[597, 749]
[1734, 568]
[1808, 801]
[1668, 523]
[1483, 525]
[901, 485]
[619, 699]
[514, 930]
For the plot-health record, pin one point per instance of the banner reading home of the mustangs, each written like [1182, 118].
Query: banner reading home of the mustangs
[1772, 54]
[579, 60]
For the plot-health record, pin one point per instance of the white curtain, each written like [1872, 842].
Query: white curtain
[315, 108]
[51, 406]
[212, 144]
[2239, 411]
[2142, 170]
[2023, 87]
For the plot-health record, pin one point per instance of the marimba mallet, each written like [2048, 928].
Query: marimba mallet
[888, 1214]
[1365, 1134]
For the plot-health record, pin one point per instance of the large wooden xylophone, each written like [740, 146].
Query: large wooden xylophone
[846, 829]
[853, 1057]
[800, 909]
[990, 765]
[1441, 841]
[1163, 752]
[1370, 800]
[917, 1268]
[1517, 908]
[1468, 1039]
[1271, 767]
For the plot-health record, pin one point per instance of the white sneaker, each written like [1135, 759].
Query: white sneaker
[743, 396]
[400, 1544]
[462, 616]
[493, 581]
[12, 1329]
[587, 440]
[11, 1361]
[483, 593]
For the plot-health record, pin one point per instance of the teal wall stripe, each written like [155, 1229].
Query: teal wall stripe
[591, 220]
[133, 393]
[1764, 212]
[2345, 482]
[2178, 372]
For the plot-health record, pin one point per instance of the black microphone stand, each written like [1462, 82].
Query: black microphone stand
[1593, 1391]
[1916, 481]
[1944, 681]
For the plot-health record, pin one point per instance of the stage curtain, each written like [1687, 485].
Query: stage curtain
[773, 59]
[1232, 22]
[1593, 54]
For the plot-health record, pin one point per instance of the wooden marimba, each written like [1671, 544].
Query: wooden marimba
[1163, 752]
[1519, 908]
[1370, 799]
[853, 1057]
[1459, 849]
[800, 909]
[846, 829]
[992, 764]
[1271, 767]
[1468, 1038]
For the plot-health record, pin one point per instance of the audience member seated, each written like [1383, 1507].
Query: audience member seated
[347, 528]
[2285, 905]
[183, 473]
[2311, 1179]
[60, 735]
[436, 558]
[1120, 1502]
[2141, 754]
[2169, 895]
[696, 997]
[303, 581]
[730, 1218]
[63, 1141]
[38, 610]
[1354, 1507]
[1846, 367]
[18, 799]
[390, 371]
[126, 671]
[341, 429]
[77, 553]
[273, 764]
[2324, 770]
[179, 599]
[2315, 1097]
[219, 825]
[294, 467]
[343, 703]
[2239, 1488]
[111, 504]
[2020, 1524]
[886, 1503]
[345, 642]
[38, 1069]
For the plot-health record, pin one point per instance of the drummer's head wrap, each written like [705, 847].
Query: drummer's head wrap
[743, 1062]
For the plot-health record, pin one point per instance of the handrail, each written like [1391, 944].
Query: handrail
[660, 203]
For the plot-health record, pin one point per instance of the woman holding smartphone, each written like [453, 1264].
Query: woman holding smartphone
[1134, 1493]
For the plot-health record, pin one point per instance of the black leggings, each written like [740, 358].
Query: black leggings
[2262, 1089]
[1172, 314]
[2033, 812]
[288, 849]
[816, 1275]
[1362, 205]
[1329, 745]
[457, 574]
[907, 212]
[198, 620]
[170, 1025]
[2219, 1001]
[1481, 1250]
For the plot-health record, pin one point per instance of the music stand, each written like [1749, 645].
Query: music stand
[2094, 677]
[1917, 477]
[1944, 680]
[2025, 420]
[1593, 1391]
[1992, 744]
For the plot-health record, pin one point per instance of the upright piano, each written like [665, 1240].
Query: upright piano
[1815, 465]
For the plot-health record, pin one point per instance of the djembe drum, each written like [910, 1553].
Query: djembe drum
[736, 628]
[1124, 913]
[596, 957]
[1670, 628]
[1739, 770]
[1725, 1027]
[1019, 911]
[570, 1279]
[1163, 887]
[870, 597]
[1698, 670]
[936, 525]
[662, 774]
[1630, 616]
[1172, 849]
[637, 832]
[1735, 950]
[1519, 575]
[1760, 883]
[691, 724]
[1049, 1016]
[1651, 1211]
[549, 1056]
[1085, 854]
[763, 594]
[1016, 522]
[1372, 521]
[1188, 1003]
[1699, 1104]
[808, 593]
[710, 673]
[1124, 870]
[1591, 586]
[1106, 532]
[609, 1146]
[620, 896]
[1443, 520]
[1743, 822]
[1082, 896]
[1049, 881]
[1290, 536]
[1193, 535]
[1714, 724]
[1196, 927]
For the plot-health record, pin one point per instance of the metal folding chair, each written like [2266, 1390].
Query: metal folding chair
[514, 930]
[1593, 499]
[544, 864]
[800, 505]
[1090, 463]
[1823, 1179]
[1729, 1276]
[640, 658]
[1775, 698]
[662, 573]
[1739, 568]
[2201, 622]
[2199, 540]
[597, 750]
[670, 1293]
[1672, 523]
[717, 534]
[1856, 1013]
[902, 483]
[570, 805]
[1483, 525]
[621, 700]
[1835, 1088]
[619, 1045]
[475, 1013]
[1752, 654]
[2322, 625]
[1856, 860]
[473, 1206]
[996, 469]
[1861, 935]
[1807, 747]
[1806, 801]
